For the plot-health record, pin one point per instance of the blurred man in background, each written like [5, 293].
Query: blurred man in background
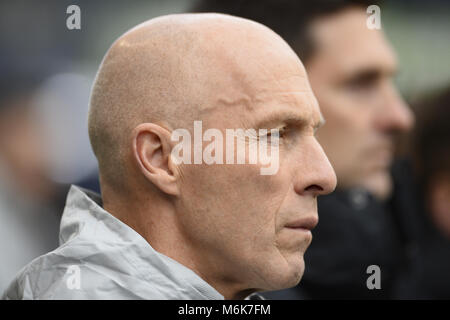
[30, 202]
[351, 69]
[44, 147]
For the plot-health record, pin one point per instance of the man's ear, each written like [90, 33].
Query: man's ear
[151, 150]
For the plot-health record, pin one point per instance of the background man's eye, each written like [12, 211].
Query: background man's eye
[362, 85]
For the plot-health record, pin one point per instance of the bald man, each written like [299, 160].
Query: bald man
[165, 229]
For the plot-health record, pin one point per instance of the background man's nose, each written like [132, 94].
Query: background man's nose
[394, 115]
[316, 176]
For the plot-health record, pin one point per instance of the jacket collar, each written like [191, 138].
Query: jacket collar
[85, 219]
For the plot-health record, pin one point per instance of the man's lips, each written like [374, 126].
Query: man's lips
[306, 223]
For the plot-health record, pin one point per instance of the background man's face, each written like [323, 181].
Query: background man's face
[350, 73]
[237, 217]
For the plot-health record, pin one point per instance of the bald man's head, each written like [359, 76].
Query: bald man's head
[170, 70]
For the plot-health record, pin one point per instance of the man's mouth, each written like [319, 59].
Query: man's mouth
[304, 224]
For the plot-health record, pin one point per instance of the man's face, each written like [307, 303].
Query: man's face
[253, 228]
[351, 75]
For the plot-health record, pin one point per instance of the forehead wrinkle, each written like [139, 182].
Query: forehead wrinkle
[301, 111]
[250, 95]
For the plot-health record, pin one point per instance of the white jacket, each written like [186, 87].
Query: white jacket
[100, 257]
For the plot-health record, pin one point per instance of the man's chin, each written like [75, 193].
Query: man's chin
[291, 277]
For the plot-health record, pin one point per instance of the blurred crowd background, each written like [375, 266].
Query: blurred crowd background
[46, 72]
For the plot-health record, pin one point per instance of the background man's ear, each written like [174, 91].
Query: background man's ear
[151, 150]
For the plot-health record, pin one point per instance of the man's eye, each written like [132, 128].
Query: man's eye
[362, 85]
[281, 134]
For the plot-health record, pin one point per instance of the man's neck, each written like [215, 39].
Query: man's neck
[161, 229]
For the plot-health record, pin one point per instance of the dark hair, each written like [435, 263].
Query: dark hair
[431, 136]
[289, 18]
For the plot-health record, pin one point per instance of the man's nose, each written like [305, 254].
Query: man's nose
[394, 114]
[316, 175]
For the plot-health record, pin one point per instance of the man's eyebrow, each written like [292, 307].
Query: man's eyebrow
[369, 74]
[289, 117]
